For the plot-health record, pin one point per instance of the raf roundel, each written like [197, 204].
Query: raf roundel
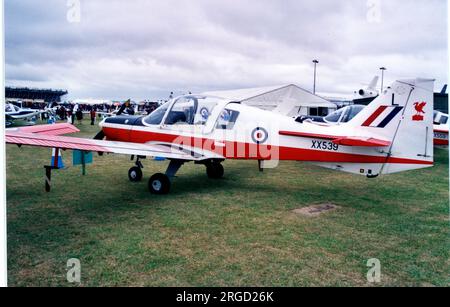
[260, 135]
[204, 113]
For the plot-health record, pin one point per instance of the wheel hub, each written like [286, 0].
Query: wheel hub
[156, 184]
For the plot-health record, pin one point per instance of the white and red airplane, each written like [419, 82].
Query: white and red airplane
[390, 135]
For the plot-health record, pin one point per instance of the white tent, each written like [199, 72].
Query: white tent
[91, 101]
[289, 99]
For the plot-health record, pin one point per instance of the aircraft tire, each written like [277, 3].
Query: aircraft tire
[159, 184]
[215, 170]
[135, 174]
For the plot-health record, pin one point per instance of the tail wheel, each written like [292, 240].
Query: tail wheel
[135, 174]
[159, 184]
[215, 170]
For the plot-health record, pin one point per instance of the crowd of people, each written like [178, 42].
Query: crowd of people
[67, 112]
[71, 112]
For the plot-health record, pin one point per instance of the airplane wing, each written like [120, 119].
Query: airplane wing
[342, 140]
[55, 129]
[18, 116]
[51, 136]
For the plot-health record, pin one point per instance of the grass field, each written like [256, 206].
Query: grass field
[238, 231]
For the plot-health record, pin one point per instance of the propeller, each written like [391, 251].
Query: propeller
[100, 136]
[125, 105]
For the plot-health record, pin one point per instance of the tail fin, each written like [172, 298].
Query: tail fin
[373, 84]
[402, 114]
[370, 91]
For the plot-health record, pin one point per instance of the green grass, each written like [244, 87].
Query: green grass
[239, 231]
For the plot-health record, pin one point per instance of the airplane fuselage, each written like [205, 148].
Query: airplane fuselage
[256, 135]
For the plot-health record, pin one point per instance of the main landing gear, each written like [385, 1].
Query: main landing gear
[214, 170]
[160, 183]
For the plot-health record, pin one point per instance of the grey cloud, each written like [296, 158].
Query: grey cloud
[145, 48]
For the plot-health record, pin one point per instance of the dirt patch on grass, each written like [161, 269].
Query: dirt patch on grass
[316, 210]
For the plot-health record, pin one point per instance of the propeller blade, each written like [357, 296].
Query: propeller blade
[100, 136]
[126, 104]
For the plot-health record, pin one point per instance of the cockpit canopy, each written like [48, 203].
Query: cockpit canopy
[440, 118]
[185, 110]
[11, 108]
[343, 115]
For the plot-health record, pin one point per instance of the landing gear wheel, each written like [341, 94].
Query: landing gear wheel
[214, 170]
[159, 184]
[135, 174]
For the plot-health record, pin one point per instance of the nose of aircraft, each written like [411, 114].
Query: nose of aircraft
[123, 120]
[119, 122]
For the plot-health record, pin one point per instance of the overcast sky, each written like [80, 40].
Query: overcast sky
[145, 49]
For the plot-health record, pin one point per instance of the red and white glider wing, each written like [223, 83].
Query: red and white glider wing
[55, 129]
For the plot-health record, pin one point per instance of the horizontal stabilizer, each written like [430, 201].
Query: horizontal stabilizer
[360, 141]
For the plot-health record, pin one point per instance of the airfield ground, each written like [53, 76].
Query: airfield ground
[239, 231]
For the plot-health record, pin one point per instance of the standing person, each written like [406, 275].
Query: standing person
[74, 110]
[63, 112]
[79, 115]
[92, 116]
[69, 114]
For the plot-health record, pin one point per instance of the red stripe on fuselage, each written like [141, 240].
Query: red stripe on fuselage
[239, 150]
[440, 142]
[374, 116]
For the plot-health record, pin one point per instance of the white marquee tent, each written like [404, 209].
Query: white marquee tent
[92, 102]
[289, 99]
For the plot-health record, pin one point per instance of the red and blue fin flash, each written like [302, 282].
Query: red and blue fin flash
[57, 161]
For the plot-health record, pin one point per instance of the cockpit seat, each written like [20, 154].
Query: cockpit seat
[176, 117]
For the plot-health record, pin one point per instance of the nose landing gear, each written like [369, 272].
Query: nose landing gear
[135, 173]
